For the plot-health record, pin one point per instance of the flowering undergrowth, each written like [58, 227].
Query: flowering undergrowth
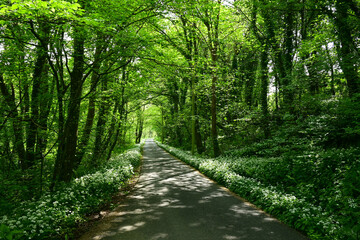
[56, 214]
[250, 178]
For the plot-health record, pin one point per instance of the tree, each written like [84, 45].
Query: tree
[347, 50]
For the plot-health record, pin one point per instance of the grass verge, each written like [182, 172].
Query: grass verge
[56, 214]
[314, 221]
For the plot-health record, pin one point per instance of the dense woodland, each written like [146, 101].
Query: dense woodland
[276, 80]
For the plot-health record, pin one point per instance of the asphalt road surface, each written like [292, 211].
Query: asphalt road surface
[173, 201]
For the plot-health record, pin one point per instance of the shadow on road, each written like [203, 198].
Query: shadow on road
[172, 201]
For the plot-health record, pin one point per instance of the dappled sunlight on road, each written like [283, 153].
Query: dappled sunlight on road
[172, 201]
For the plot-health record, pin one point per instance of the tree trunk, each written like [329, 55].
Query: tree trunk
[347, 57]
[264, 91]
[139, 126]
[213, 35]
[83, 143]
[193, 132]
[288, 93]
[110, 141]
[214, 133]
[162, 126]
[199, 145]
[332, 74]
[17, 128]
[45, 107]
[38, 81]
[121, 111]
[100, 127]
[68, 144]
[115, 140]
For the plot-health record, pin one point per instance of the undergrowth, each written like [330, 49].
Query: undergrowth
[317, 193]
[55, 214]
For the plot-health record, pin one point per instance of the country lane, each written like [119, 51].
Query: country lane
[173, 201]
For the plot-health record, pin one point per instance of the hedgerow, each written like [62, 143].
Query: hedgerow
[251, 178]
[56, 213]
